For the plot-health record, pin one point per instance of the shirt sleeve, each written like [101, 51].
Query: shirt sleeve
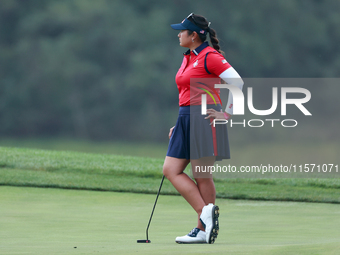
[216, 63]
[232, 77]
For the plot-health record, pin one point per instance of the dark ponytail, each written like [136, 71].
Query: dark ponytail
[214, 41]
[204, 24]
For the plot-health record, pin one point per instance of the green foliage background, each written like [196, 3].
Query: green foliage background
[105, 69]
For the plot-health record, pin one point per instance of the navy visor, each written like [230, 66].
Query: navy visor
[187, 24]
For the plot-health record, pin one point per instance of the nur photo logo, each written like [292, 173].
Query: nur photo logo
[277, 101]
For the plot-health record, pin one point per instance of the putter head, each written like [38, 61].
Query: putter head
[143, 241]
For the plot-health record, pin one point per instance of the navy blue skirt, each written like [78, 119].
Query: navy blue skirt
[193, 137]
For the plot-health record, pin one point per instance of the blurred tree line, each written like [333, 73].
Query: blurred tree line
[105, 69]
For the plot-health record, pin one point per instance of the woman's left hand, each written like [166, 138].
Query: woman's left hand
[212, 113]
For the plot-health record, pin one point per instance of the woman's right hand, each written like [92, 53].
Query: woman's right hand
[170, 133]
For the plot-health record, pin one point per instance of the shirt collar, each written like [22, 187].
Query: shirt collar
[198, 49]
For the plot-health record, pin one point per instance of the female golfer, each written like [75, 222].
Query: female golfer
[193, 139]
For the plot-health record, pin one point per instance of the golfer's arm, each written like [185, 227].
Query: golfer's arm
[230, 76]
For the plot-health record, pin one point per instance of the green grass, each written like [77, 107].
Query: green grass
[75, 170]
[155, 150]
[289, 152]
[55, 221]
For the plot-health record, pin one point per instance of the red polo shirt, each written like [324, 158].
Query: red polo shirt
[203, 62]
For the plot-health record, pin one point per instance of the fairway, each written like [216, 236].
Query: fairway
[55, 221]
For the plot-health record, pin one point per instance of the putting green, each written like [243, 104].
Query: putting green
[54, 221]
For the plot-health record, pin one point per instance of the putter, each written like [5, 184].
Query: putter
[147, 228]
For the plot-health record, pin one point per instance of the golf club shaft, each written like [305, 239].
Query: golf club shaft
[159, 190]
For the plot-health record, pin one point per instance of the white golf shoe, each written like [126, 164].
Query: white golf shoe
[209, 219]
[195, 236]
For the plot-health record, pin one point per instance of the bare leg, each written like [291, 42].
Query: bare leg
[173, 170]
[204, 181]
